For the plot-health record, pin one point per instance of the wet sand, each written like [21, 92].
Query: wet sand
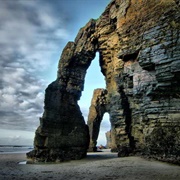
[97, 166]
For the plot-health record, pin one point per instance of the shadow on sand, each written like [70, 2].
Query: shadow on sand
[101, 155]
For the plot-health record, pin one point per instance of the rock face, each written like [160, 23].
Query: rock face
[139, 46]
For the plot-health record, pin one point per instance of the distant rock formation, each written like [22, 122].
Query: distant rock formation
[96, 111]
[99, 106]
[139, 46]
[108, 140]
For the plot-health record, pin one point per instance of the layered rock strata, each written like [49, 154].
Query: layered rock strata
[139, 46]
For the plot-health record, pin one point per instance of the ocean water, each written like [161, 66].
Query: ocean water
[14, 149]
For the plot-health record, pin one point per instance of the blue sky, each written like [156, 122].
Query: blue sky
[33, 34]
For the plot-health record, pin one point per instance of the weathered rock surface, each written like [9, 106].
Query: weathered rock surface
[139, 46]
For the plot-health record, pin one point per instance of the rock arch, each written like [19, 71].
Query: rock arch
[99, 106]
[97, 110]
[62, 133]
[137, 34]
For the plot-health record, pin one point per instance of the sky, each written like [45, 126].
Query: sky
[33, 34]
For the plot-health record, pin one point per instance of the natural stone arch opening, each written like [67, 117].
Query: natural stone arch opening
[99, 106]
[96, 112]
[93, 79]
[104, 137]
[63, 133]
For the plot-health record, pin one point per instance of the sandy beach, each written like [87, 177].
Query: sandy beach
[97, 166]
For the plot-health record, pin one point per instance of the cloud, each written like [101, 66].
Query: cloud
[30, 35]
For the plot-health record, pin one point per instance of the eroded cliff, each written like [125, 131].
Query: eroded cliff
[139, 46]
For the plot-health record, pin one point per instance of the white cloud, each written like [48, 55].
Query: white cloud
[30, 31]
[61, 33]
[30, 36]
